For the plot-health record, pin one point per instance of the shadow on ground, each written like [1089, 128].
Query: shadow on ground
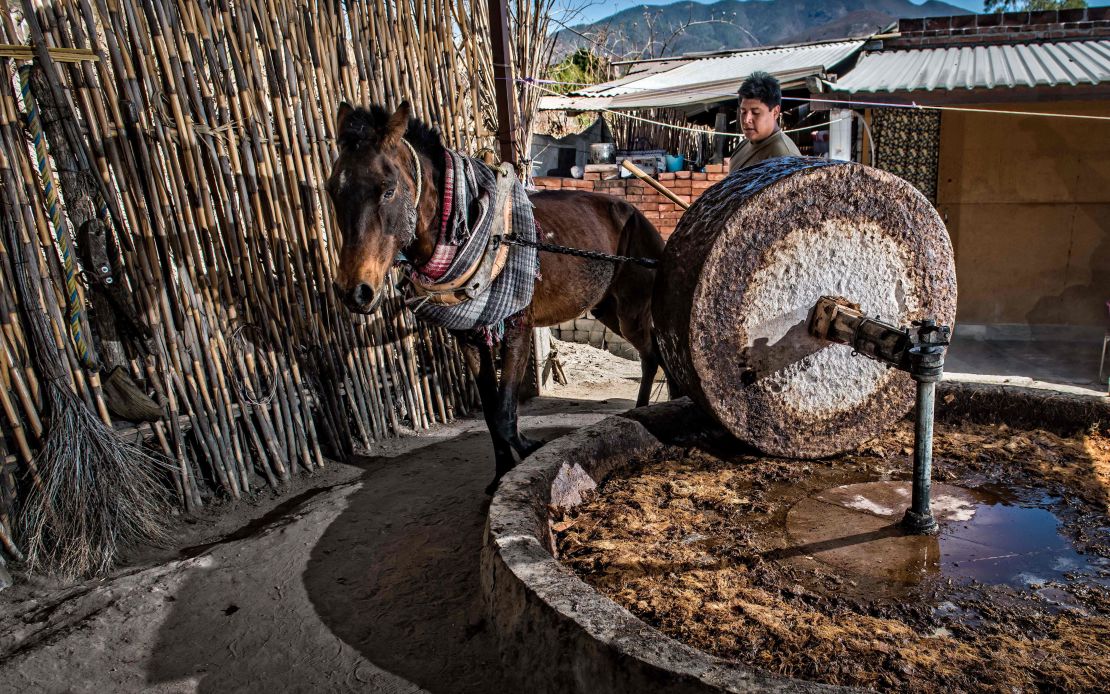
[393, 578]
[397, 575]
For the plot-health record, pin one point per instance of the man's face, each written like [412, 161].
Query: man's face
[756, 120]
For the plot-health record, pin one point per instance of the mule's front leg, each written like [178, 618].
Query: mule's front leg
[488, 392]
[515, 352]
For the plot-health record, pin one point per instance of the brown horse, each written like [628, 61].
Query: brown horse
[373, 190]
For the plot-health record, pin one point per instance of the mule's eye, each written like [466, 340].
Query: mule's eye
[389, 193]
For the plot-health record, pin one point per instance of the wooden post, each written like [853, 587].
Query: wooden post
[503, 79]
[640, 174]
[720, 125]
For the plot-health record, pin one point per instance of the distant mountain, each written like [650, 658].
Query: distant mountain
[650, 31]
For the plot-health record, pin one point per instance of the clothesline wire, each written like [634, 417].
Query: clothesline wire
[967, 109]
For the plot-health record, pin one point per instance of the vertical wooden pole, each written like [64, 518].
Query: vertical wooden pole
[720, 143]
[503, 79]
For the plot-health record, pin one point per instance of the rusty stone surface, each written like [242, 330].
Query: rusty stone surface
[748, 261]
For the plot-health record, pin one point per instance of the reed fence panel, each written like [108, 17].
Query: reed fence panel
[205, 130]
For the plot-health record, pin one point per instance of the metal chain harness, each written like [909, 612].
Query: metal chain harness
[580, 253]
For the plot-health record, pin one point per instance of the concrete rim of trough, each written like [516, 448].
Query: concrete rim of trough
[558, 634]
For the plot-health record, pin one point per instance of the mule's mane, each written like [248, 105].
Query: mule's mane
[365, 127]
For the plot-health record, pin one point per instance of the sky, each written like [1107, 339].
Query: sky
[600, 9]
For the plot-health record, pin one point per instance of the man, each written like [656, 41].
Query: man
[760, 106]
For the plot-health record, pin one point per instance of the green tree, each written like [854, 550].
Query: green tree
[1024, 5]
[582, 67]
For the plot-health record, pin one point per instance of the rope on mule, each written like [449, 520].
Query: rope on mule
[54, 208]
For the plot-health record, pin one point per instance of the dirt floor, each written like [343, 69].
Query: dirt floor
[700, 544]
[361, 578]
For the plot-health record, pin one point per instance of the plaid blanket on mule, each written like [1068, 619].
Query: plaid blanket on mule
[472, 189]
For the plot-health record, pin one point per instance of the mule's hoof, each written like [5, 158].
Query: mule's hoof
[492, 486]
[528, 446]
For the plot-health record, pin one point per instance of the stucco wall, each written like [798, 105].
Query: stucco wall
[1027, 202]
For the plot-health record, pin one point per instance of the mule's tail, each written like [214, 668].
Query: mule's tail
[638, 236]
[673, 389]
[640, 239]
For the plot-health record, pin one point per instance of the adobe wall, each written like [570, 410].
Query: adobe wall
[1027, 203]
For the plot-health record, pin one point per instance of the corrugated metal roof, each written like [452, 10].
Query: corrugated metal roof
[706, 92]
[735, 67]
[695, 80]
[574, 103]
[1064, 63]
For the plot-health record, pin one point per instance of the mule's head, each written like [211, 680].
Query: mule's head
[373, 187]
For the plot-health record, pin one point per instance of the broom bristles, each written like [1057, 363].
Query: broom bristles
[99, 494]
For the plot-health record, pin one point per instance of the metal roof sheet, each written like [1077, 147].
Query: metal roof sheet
[689, 81]
[1064, 63]
[683, 95]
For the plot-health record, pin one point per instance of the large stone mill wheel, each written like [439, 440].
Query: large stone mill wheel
[746, 264]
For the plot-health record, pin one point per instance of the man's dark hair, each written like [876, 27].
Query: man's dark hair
[764, 87]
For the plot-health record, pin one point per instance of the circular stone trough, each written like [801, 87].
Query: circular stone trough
[558, 634]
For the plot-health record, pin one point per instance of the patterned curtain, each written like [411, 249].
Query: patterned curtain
[907, 144]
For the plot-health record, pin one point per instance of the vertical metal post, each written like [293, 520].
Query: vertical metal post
[720, 125]
[503, 84]
[832, 320]
[926, 367]
[919, 517]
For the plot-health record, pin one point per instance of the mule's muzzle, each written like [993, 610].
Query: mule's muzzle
[361, 298]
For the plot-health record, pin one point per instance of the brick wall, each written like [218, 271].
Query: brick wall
[1002, 27]
[663, 213]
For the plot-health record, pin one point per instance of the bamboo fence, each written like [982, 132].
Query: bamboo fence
[637, 134]
[207, 129]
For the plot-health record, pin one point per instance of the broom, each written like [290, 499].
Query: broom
[95, 493]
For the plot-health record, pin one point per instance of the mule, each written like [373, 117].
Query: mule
[383, 211]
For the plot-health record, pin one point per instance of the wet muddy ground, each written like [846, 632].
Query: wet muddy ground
[797, 567]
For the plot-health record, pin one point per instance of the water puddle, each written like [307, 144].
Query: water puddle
[1011, 545]
[985, 537]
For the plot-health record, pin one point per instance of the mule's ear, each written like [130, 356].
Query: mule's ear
[345, 111]
[348, 135]
[398, 124]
